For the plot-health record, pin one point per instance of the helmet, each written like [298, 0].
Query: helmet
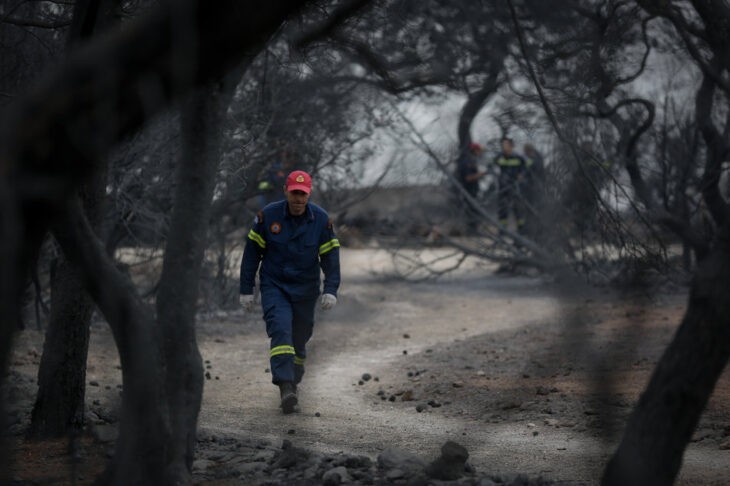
[475, 147]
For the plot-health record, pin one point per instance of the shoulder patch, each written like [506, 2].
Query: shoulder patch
[329, 223]
[259, 217]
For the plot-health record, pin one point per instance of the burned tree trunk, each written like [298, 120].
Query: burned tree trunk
[59, 405]
[669, 409]
[476, 100]
[178, 288]
[141, 450]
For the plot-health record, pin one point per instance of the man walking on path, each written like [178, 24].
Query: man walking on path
[290, 240]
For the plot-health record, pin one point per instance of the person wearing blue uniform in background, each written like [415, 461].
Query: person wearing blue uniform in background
[468, 175]
[511, 177]
[291, 240]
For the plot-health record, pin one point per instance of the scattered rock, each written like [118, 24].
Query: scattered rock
[406, 462]
[486, 482]
[420, 407]
[207, 375]
[407, 396]
[317, 414]
[451, 464]
[541, 390]
[202, 465]
[458, 384]
[394, 474]
[405, 352]
[510, 405]
[289, 456]
[335, 476]
[93, 383]
[366, 377]
[358, 462]
[105, 433]
[248, 468]
[406, 336]
[725, 445]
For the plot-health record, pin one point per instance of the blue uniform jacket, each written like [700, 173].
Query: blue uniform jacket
[511, 168]
[291, 251]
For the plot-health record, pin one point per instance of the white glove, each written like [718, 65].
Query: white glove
[246, 302]
[327, 301]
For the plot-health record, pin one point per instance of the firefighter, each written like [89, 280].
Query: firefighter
[291, 240]
[532, 188]
[511, 175]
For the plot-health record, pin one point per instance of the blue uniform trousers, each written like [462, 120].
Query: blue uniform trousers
[289, 326]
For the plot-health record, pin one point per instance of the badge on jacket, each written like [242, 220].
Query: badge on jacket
[275, 228]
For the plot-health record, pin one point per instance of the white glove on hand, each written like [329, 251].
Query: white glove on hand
[246, 302]
[328, 301]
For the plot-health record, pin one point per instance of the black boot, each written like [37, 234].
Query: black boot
[288, 397]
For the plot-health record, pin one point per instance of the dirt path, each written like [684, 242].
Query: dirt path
[453, 325]
[527, 382]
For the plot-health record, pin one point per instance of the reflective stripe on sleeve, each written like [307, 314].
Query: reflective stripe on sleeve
[255, 237]
[298, 361]
[285, 349]
[329, 246]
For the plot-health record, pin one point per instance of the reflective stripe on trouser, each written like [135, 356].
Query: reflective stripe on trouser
[289, 325]
[508, 197]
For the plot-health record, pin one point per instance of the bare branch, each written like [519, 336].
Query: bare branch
[716, 148]
[37, 23]
[329, 26]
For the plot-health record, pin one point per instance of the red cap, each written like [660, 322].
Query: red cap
[475, 147]
[299, 181]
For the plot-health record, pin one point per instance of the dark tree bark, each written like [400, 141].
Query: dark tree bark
[669, 409]
[144, 431]
[178, 287]
[55, 136]
[476, 100]
[59, 405]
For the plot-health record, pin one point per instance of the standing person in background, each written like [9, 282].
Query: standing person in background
[533, 187]
[468, 175]
[511, 176]
[270, 187]
[583, 194]
[292, 240]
